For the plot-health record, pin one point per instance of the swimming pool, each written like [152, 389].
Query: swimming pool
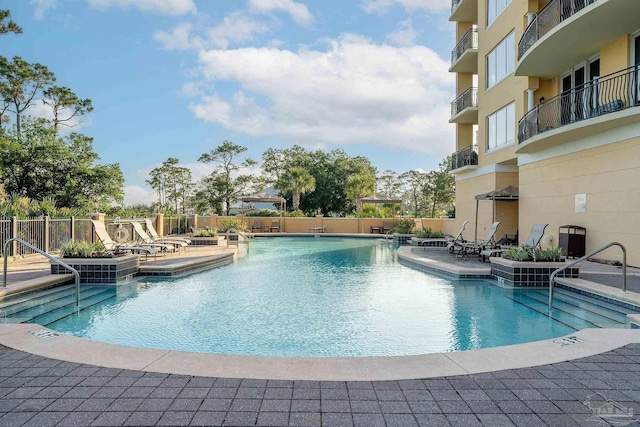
[312, 297]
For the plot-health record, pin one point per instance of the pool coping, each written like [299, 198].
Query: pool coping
[35, 339]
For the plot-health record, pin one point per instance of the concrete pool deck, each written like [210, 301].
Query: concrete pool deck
[55, 379]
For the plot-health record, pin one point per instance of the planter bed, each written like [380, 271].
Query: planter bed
[528, 273]
[429, 242]
[100, 270]
[206, 241]
[402, 239]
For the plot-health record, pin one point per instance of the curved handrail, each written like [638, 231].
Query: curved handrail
[552, 278]
[46, 255]
[244, 240]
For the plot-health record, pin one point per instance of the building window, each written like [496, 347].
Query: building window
[495, 8]
[501, 61]
[501, 127]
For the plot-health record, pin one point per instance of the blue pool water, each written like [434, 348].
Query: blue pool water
[312, 297]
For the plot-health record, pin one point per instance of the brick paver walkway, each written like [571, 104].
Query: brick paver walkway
[36, 391]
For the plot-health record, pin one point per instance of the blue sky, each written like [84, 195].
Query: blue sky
[175, 78]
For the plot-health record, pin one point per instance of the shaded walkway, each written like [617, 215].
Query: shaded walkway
[37, 391]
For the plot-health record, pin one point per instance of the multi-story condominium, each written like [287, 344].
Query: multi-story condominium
[548, 101]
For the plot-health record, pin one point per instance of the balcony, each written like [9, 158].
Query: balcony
[465, 107]
[464, 57]
[466, 157]
[594, 107]
[565, 32]
[464, 11]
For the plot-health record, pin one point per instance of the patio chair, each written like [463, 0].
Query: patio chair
[386, 226]
[257, 225]
[101, 231]
[275, 225]
[533, 241]
[154, 234]
[165, 246]
[458, 240]
[477, 247]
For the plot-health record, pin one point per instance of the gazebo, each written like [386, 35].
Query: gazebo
[378, 199]
[509, 193]
[266, 198]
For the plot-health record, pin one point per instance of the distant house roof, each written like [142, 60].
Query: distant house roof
[262, 198]
[378, 198]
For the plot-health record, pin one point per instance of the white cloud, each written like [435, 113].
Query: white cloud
[179, 38]
[165, 7]
[41, 6]
[355, 92]
[405, 35]
[235, 28]
[298, 11]
[382, 6]
[134, 195]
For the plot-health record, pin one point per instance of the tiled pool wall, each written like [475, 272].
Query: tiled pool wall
[101, 270]
[529, 276]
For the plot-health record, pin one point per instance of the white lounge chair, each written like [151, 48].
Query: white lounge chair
[533, 241]
[101, 231]
[458, 240]
[156, 238]
[478, 247]
[146, 240]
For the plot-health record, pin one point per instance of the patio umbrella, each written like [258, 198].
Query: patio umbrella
[509, 193]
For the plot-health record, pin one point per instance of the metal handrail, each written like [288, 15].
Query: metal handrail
[590, 254]
[465, 157]
[46, 255]
[239, 233]
[468, 41]
[468, 98]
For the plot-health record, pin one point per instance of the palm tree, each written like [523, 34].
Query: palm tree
[360, 185]
[299, 181]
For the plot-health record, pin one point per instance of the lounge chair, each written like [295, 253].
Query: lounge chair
[458, 240]
[257, 225]
[165, 246]
[386, 226]
[533, 241]
[154, 234]
[275, 225]
[101, 231]
[477, 247]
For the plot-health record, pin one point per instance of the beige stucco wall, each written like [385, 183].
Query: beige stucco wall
[616, 56]
[610, 178]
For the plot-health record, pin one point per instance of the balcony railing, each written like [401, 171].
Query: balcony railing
[608, 94]
[454, 6]
[466, 157]
[548, 18]
[468, 41]
[469, 98]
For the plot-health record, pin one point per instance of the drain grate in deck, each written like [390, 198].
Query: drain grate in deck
[44, 334]
[568, 341]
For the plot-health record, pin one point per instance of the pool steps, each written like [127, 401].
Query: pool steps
[52, 304]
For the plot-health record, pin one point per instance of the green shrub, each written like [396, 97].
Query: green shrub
[81, 249]
[296, 214]
[263, 213]
[404, 226]
[229, 223]
[429, 234]
[525, 253]
[211, 232]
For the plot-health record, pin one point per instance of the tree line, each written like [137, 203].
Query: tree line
[329, 183]
[38, 160]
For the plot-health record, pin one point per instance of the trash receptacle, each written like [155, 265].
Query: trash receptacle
[572, 240]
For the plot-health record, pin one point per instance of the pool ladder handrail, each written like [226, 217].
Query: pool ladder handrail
[244, 240]
[552, 278]
[46, 255]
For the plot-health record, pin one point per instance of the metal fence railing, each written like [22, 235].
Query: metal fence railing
[43, 232]
[454, 5]
[468, 156]
[468, 98]
[548, 18]
[468, 41]
[608, 94]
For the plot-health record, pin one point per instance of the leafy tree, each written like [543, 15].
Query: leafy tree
[275, 162]
[172, 183]
[36, 164]
[360, 185]
[389, 184]
[298, 181]
[224, 181]
[65, 105]
[414, 183]
[440, 187]
[7, 25]
[20, 82]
